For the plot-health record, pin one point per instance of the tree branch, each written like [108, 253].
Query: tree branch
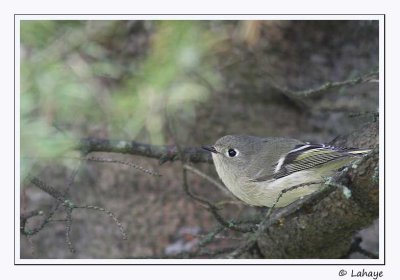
[162, 153]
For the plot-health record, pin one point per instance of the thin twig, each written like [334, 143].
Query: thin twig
[30, 214]
[288, 190]
[328, 86]
[111, 215]
[207, 239]
[355, 247]
[213, 209]
[208, 178]
[109, 160]
[72, 177]
[29, 239]
[252, 239]
[68, 225]
[47, 188]
[189, 255]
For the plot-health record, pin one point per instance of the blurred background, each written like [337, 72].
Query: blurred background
[167, 82]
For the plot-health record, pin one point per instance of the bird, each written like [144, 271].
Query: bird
[265, 171]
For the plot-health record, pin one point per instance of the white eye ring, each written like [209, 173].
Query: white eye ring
[232, 152]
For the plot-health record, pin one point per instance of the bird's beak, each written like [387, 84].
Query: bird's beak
[210, 149]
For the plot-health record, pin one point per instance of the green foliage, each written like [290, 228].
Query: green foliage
[113, 79]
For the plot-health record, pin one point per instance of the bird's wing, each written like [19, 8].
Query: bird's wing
[306, 156]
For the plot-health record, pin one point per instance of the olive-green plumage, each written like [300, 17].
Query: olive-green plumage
[256, 170]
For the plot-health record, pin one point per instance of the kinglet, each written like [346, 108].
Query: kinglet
[256, 170]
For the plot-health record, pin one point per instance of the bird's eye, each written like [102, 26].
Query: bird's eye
[232, 152]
